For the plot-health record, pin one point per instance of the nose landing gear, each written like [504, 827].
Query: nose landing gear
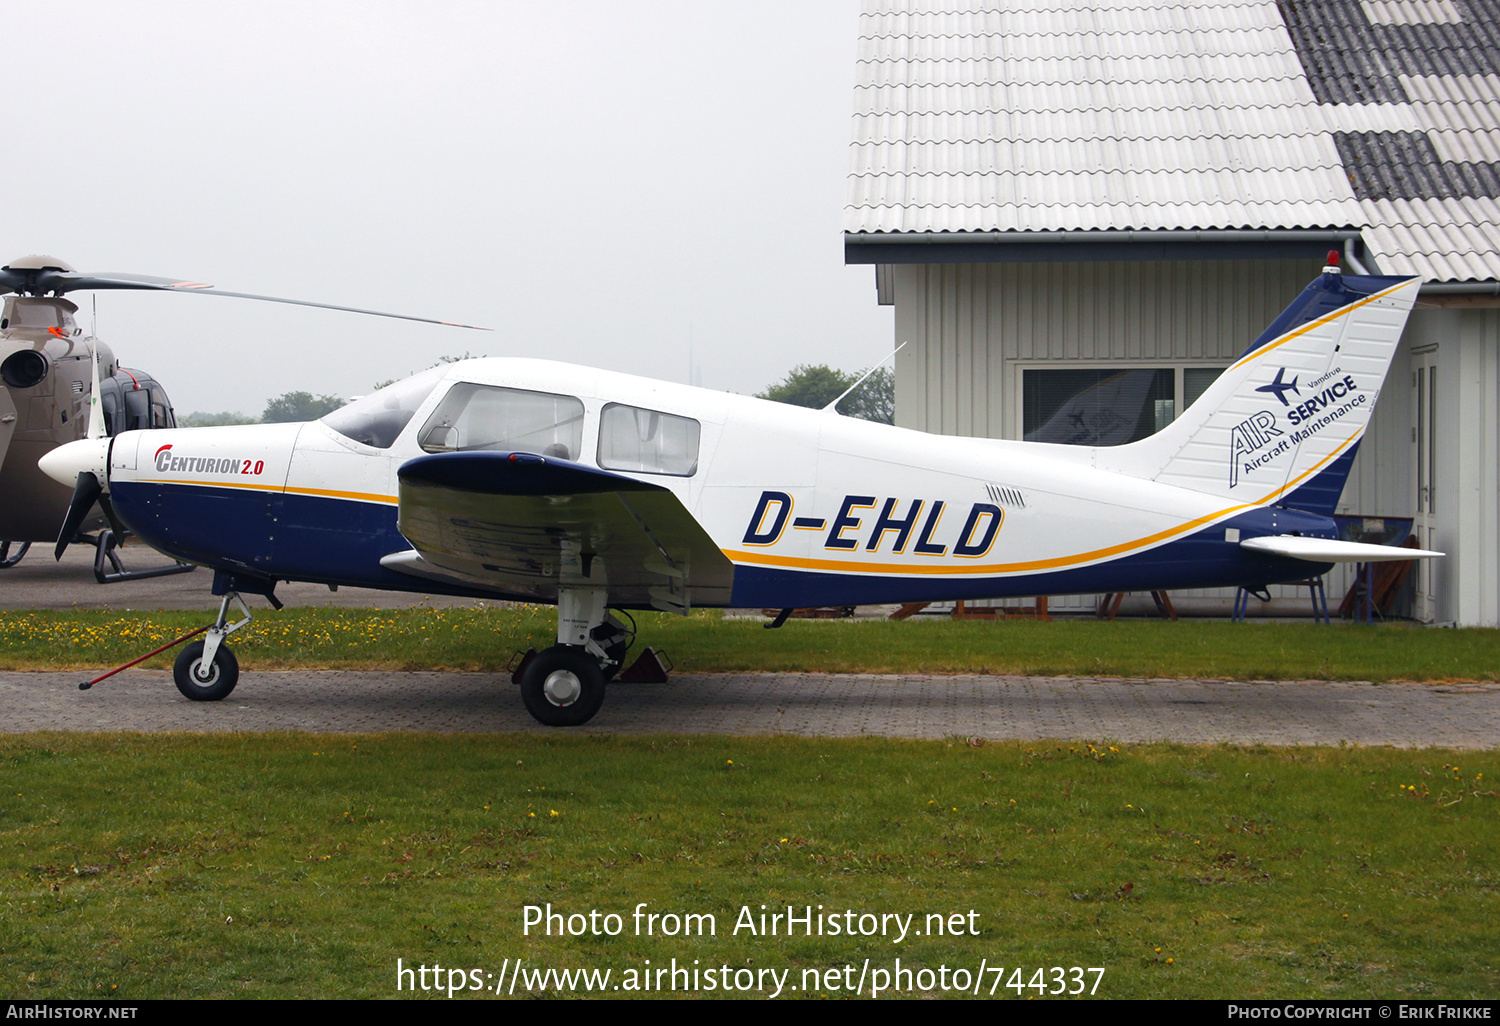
[207, 670]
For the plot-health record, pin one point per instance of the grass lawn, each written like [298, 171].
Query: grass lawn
[304, 866]
[705, 642]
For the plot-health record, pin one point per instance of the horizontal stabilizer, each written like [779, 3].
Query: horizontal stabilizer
[1324, 550]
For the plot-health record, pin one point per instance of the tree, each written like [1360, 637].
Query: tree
[299, 406]
[441, 360]
[200, 419]
[817, 386]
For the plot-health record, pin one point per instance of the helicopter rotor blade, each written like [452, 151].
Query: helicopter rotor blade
[60, 282]
[85, 493]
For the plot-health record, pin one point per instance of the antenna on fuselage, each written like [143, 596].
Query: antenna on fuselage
[863, 377]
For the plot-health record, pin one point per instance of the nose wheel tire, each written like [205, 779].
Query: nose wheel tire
[205, 683]
[563, 687]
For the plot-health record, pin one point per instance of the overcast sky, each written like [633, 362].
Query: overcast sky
[600, 183]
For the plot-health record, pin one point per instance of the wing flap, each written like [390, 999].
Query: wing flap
[1324, 550]
[531, 524]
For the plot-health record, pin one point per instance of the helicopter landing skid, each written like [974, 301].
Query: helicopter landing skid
[7, 559]
[104, 551]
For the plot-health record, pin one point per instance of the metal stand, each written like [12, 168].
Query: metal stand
[1110, 605]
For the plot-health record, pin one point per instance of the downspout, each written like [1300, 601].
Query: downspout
[1352, 260]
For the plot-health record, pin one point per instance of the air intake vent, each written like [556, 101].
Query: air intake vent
[1006, 496]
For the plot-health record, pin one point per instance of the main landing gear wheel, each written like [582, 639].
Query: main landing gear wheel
[563, 686]
[206, 684]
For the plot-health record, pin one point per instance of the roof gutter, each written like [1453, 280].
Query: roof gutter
[1090, 235]
[1461, 288]
[1096, 245]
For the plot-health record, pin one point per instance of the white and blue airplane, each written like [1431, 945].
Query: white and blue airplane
[596, 491]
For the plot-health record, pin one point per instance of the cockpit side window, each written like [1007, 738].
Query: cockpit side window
[631, 438]
[505, 419]
[376, 419]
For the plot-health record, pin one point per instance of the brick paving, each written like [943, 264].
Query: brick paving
[1453, 715]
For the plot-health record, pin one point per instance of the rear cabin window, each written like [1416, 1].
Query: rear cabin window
[474, 417]
[631, 438]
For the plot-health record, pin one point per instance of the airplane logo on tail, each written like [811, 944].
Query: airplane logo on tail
[1279, 387]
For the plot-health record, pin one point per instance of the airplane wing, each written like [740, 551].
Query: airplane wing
[1323, 550]
[528, 524]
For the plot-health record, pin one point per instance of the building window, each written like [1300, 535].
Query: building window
[1106, 405]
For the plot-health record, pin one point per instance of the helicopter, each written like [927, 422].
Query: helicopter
[46, 365]
[601, 492]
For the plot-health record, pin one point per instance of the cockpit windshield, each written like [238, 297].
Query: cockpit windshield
[376, 419]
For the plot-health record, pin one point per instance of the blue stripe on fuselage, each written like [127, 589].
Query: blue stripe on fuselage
[284, 536]
[1201, 560]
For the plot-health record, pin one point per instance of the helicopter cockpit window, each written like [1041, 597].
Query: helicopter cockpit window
[137, 409]
[507, 420]
[376, 419]
[109, 403]
[645, 440]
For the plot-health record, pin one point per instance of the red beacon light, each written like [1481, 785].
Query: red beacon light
[1332, 266]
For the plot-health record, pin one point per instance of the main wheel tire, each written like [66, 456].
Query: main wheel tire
[563, 687]
[219, 681]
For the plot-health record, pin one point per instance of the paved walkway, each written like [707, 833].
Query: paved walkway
[809, 705]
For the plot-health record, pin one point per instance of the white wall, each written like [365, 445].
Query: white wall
[1468, 468]
[973, 327]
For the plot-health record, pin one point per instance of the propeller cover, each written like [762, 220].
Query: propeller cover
[85, 456]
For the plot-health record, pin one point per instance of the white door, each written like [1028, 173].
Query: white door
[1425, 441]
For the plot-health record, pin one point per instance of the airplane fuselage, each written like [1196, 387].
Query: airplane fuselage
[809, 507]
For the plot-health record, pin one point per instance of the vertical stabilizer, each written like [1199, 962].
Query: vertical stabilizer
[1281, 425]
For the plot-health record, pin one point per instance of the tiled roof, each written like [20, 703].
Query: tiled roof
[1160, 114]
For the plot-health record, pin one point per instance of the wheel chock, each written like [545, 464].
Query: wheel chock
[518, 663]
[648, 669]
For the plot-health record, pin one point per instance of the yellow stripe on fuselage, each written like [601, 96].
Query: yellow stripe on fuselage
[388, 500]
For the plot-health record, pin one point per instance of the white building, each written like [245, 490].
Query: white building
[1052, 187]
